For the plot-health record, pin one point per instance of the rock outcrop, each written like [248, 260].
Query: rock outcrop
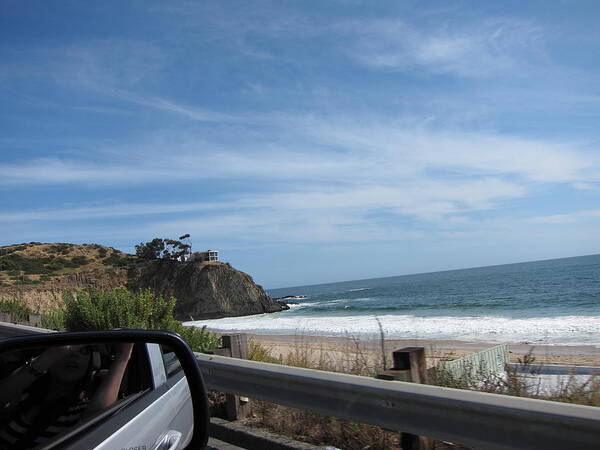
[36, 274]
[204, 290]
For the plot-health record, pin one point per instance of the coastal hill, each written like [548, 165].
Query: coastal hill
[36, 274]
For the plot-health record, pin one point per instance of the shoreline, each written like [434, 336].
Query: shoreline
[575, 355]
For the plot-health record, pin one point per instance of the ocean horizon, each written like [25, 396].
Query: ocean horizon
[551, 302]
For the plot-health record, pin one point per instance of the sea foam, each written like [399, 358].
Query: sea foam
[568, 330]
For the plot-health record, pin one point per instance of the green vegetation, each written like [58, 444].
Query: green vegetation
[24, 280]
[9, 250]
[106, 309]
[312, 427]
[18, 311]
[354, 359]
[78, 261]
[63, 249]
[58, 260]
[100, 309]
[15, 263]
[159, 248]
[54, 319]
[199, 339]
[570, 391]
[115, 260]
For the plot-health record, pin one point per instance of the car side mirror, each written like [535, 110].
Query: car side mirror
[101, 389]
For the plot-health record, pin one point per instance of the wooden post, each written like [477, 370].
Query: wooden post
[409, 365]
[235, 346]
[412, 359]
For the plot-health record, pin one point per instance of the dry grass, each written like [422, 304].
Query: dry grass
[354, 358]
[527, 384]
[316, 428]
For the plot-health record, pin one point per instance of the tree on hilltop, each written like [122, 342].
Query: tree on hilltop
[159, 248]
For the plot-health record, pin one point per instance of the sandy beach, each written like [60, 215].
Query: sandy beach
[337, 347]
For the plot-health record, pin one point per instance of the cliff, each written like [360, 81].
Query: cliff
[208, 290]
[36, 274]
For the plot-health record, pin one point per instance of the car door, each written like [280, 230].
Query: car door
[160, 417]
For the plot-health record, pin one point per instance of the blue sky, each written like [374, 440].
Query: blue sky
[307, 141]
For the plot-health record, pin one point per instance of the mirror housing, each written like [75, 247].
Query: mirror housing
[116, 339]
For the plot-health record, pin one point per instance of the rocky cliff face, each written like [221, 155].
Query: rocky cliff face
[36, 274]
[203, 290]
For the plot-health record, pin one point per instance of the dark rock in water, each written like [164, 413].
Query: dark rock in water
[284, 305]
[291, 297]
[204, 290]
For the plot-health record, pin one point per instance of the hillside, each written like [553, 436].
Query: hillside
[36, 274]
[50, 266]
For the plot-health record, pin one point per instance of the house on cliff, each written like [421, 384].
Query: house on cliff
[209, 255]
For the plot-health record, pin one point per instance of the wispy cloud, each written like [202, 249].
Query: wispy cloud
[272, 123]
[569, 218]
[483, 49]
[332, 164]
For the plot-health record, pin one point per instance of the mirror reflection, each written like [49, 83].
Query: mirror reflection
[46, 392]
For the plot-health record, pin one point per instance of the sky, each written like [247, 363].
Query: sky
[307, 141]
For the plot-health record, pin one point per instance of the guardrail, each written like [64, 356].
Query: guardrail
[467, 417]
[11, 330]
[472, 418]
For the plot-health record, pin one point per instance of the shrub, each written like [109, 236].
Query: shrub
[101, 309]
[258, 352]
[54, 319]
[63, 249]
[115, 260]
[24, 280]
[19, 312]
[79, 261]
[7, 251]
[198, 339]
[16, 263]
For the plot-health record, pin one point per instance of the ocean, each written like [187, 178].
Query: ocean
[541, 302]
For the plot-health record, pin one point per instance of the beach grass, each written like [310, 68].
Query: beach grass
[355, 357]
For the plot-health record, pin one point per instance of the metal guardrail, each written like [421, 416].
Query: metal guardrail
[11, 330]
[473, 418]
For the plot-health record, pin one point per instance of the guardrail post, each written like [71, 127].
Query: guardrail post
[236, 346]
[409, 365]
[5, 317]
[35, 320]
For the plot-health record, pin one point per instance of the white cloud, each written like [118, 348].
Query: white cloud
[573, 217]
[464, 153]
[351, 175]
[480, 50]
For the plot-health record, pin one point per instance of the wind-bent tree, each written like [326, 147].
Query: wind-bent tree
[159, 248]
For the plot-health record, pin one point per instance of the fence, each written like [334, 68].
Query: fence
[33, 320]
[473, 418]
[492, 360]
